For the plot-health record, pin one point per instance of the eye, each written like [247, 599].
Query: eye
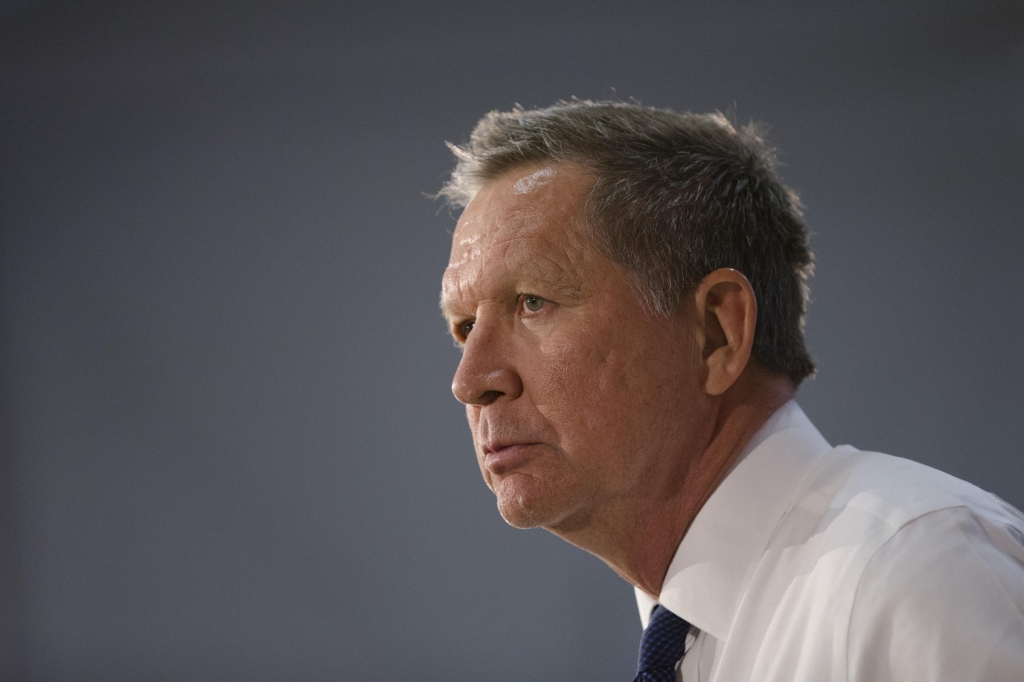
[533, 303]
[464, 328]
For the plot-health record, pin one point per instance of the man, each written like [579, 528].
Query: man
[628, 286]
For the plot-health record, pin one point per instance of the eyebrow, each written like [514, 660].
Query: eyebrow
[524, 271]
[561, 280]
[446, 307]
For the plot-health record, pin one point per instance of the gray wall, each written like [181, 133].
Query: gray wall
[230, 451]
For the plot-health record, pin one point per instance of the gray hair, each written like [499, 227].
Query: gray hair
[676, 196]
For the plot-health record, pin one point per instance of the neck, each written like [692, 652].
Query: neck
[638, 536]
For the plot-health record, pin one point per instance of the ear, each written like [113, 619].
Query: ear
[728, 308]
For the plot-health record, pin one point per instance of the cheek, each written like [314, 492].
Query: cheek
[584, 385]
[565, 372]
[606, 393]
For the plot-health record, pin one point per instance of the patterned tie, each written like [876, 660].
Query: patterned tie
[661, 647]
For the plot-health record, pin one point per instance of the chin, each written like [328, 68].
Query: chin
[525, 503]
[518, 516]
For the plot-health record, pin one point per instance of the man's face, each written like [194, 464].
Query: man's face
[581, 404]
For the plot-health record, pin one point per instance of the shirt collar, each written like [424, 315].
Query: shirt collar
[714, 561]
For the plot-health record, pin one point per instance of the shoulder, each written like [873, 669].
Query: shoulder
[894, 490]
[935, 587]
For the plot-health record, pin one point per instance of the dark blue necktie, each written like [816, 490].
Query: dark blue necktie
[661, 647]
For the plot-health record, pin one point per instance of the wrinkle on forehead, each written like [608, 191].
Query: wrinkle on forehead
[517, 219]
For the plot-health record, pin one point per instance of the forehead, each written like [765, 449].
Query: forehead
[526, 224]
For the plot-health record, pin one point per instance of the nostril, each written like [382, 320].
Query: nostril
[488, 397]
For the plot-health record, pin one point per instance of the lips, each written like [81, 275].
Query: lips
[502, 458]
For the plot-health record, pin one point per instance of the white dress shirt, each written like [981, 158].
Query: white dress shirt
[811, 563]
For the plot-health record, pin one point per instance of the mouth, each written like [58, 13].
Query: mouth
[502, 458]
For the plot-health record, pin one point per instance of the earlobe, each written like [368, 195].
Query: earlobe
[728, 308]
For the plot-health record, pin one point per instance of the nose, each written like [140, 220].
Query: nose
[487, 369]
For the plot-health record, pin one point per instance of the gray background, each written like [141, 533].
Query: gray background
[230, 451]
